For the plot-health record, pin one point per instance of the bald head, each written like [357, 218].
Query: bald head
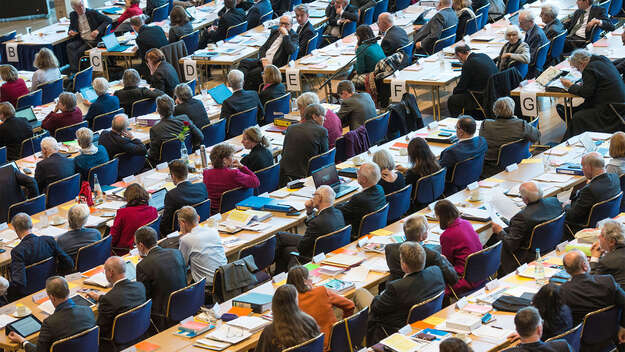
[593, 165]
[385, 21]
[369, 175]
[115, 269]
[120, 123]
[530, 192]
[327, 195]
[575, 262]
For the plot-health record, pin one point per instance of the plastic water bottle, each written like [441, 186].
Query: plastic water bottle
[539, 269]
[97, 189]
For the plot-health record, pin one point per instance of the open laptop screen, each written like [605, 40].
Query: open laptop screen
[326, 175]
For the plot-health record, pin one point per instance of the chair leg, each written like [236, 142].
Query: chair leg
[154, 326]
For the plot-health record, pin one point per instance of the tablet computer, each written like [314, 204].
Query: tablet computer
[82, 301]
[24, 327]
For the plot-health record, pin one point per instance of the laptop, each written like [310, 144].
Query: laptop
[157, 200]
[30, 116]
[112, 45]
[328, 175]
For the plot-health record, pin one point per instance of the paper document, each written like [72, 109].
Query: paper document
[51, 231]
[229, 334]
[6, 319]
[95, 221]
[548, 177]
[47, 307]
[503, 205]
[114, 204]
[493, 334]
[98, 279]
[358, 274]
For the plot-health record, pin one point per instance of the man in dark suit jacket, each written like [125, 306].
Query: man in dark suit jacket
[608, 253]
[394, 36]
[476, 69]
[549, 16]
[534, 37]
[13, 131]
[54, 166]
[30, 250]
[529, 327]
[187, 105]
[388, 310]
[132, 92]
[339, 12]
[356, 108]
[585, 18]
[517, 235]
[68, 318]
[240, 100]
[12, 181]
[432, 31]
[370, 199]
[305, 31]
[120, 140]
[148, 37]
[327, 219]
[256, 12]
[162, 270]
[232, 16]
[82, 39]
[468, 145]
[302, 141]
[600, 186]
[123, 296]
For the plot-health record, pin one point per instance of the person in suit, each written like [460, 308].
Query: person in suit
[549, 16]
[601, 85]
[86, 28]
[185, 193]
[476, 69]
[356, 108]
[256, 12]
[78, 235]
[131, 91]
[323, 218]
[151, 5]
[514, 51]
[305, 30]
[529, 327]
[416, 230]
[11, 192]
[534, 37]
[394, 37]
[599, 186]
[557, 316]
[231, 16]
[259, 156]
[302, 141]
[105, 102]
[13, 131]
[123, 296]
[339, 12]
[580, 26]
[427, 35]
[54, 166]
[68, 318]
[163, 75]
[168, 127]
[370, 199]
[467, 146]
[331, 122]
[186, 104]
[388, 310]
[454, 344]
[607, 254]
[136, 213]
[148, 37]
[65, 113]
[162, 270]
[120, 139]
[180, 24]
[30, 250]
[586, 293]
[13, 87]
[517, 236]
[90, 155]
[241, 99]
[272, 84]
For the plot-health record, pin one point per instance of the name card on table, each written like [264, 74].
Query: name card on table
[319, 257]
[529, 105]
[432, 125]
[279, 278]
[521, 269]
[52, 211]
[473, 186]
[406, 330]
[363, 241]
[161, 166]
[95, 57]
[4, 226]
[129, 179]
[491, 285]
[562, 246]
[73, 277]
[398, 88]
[512, 167]
[11, 49]
[462, 302]
[190, 70]
[293, 82]
[39, 296]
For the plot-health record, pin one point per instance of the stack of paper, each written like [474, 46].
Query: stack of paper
[211, 344]
[98, 279]
[249, 323]
[229, 334]
[400, 343]
[495, 335]
[358, 274]
[95, 221]
[49, 231]
[343, 260]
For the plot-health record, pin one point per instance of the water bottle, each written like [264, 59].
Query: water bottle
[539, 269]
[97, 190]
[203, 156]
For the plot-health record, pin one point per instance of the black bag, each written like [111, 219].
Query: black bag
[405, 116]
[511, 303]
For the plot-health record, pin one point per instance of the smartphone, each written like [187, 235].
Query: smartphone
[444, 134]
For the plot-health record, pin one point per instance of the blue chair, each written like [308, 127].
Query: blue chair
[522, 68]
[269, 179]
[332, 241]
[192, 85]
[63, 190]
[38, 273]
[467, 171]
[605, 4]
[191, 41]
[608, 208]
[572, 336]
[203, 209]
[312, 44]
[596, 34]
[32, 145]
[266, 17]
[107, 173]
[340, 339]
[160, 13]
[512, 6]
[481, 265]
[129, 164]
[600, 326]
[264, 255]
[3, 155]
[68, 133]
[236, 30]
[557, 47]
[429, 188]
[380, 6]
[105, 121]
[319, 30]
[321, 160]
[348, 28]
[398, 203]
[143, 107]
[615, 7]
[231, 197]
[130, 326]
[87, 340]
[443, 43]
[30, 206]
[513, 152]
[484, 12]
[294, 3]
[31, 99]
[155, 225]
[401, 4]
[377, 128]
[448, 31]
[545, 236]
[373, 221]
[8, 36]
[238, 122]
[93, 254]
[357, 327]
[408, 51]
[51, 90]
[277, 107]
[541, 57]
[426, 308]
[313, 345]
[83, 79]
[214, 133]
[185, 302]
[295, 53]
[472, 25]
[367, 15]
[170, 150]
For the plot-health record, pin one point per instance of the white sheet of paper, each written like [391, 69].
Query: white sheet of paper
[51, 231]
[358, 274]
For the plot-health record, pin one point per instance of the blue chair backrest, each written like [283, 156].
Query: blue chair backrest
[319, 30]
[295, 53]
[83, 79]
[608, 208]
[269, 179]
[192, 85]
[522, 68]
[443, 43]
[484, 12]
[155, 225]
[321, 160]
[236, 30]
[107, 173]
[160, 13]
[512, 6]
[622, 179]
[294, 3]
[401, 4]
[68, 133]
[348, 28]
[31, 99]
[557, 45]
[367, 15]
[340, 154]
[426, 308]
[170, 150]
[595, 34]
[131, 324]
[513, 152]
[339, 339]
[63, 190]
[32, 145]
[312, 44]
[186, 301]
[86, 340]
[429, 188]
[266, 17]
[37, 273]
[408, 50]
[398, 203]
[380, 6]
[373, 221]
[3, 155]
[334, 240]
[30, 206]
[230, 198]
[313, 345]
[472, 25]
[214, 133]
[51, 90]
[467, 171]
[94, 254]
[105, 121]
[238, 122]
[357, 326]
[615, 7]
[263, 253]
[446, 32]
[8, 36]
[605, 4]
[541, 56]
[547, 235]
[482, 264]
[129, 164]
[600, 325]
[203, 209]
[143, 107]
[377, 127]
[277, 107]
[572, 336]
[191, 41]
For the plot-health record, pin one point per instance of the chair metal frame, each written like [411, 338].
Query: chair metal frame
[302, 344]
[132, 107]
[84, 332]
[428, 300]
[544, 223]
[14, 205]
[57, 182]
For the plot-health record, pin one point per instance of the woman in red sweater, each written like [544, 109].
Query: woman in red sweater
[65, 113]
[227, 173]
[132, 9]
[14, 87]
[137, 213]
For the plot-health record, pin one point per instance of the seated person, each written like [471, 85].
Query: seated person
[616, 165]
[163, 75]
[580, 25]
[148, 37]
[227, 173]
[454, 344]
[86, 29]
[122, 23]
[119, 139]
[13, 131]
[391, 180]
[504, 129]
[514, 51]
[186, 104]
[241, 99]
[428, 34]
[549, 16]
[368, 54]
[90, 155]
[259, 156]
[338, 13]
[323, 218]
[529, 327]
[105, 102]
[608, 252]
[13, 181]
[132, 92]
[464, 11]
[54, 166]
[47, 67]
[256, 12]
[65, 113]
[534, 37]
[556, 315]
[421, 159]
[394, 37]
[13, 87]
[78, 235]
[388, 310]
[131, 217]
[272, 84]
[231, 16]
[179, 24]
[305, 30]
[331, 122]
[356, 108]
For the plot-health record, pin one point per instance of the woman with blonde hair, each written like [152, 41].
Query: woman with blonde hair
[47, 68]
[465, 13]
[272, 84]
[616, 165]
[259, 156]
